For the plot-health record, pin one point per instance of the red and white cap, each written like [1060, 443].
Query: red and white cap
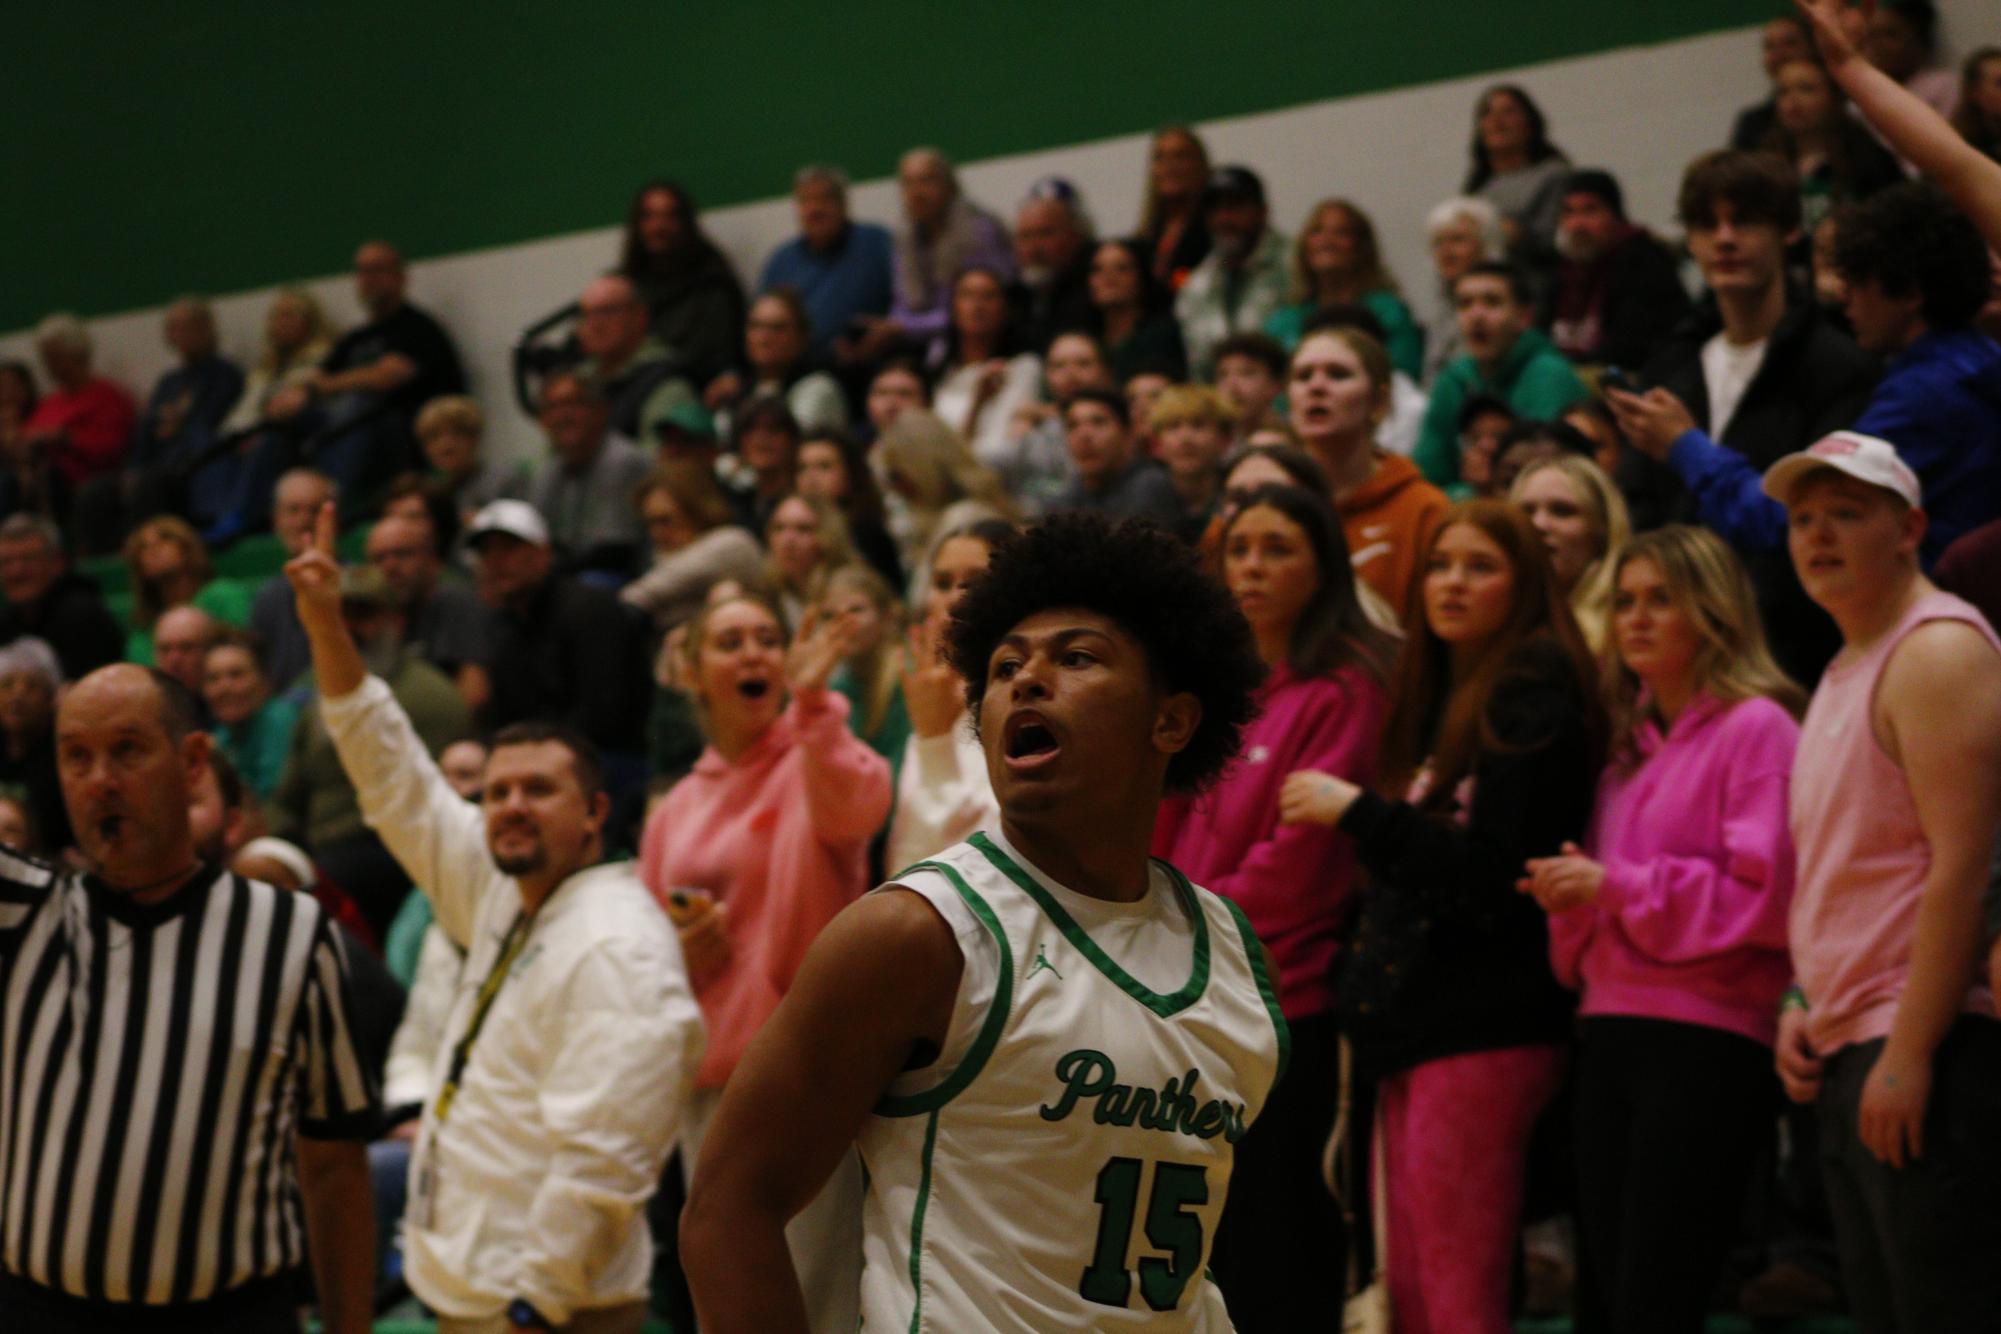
[1863, 457]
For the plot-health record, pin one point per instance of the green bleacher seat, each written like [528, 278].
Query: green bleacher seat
[256, 558]
[111, 572]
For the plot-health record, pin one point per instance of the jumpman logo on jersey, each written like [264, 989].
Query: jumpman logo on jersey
[1042, 962]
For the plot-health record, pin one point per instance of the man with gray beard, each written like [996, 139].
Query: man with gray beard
[1618, 289]
[314, 804]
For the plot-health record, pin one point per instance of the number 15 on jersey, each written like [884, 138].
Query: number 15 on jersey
[1171, 1227]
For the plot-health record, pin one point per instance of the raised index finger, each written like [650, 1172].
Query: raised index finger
[325, 529]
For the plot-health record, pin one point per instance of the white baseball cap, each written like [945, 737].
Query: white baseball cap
[516, 518]
[1863, 457]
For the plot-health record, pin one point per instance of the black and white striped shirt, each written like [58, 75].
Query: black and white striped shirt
[155, 1062]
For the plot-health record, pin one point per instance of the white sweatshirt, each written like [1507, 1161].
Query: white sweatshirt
[536, 1183]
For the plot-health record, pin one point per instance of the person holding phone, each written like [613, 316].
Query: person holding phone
[753, 853]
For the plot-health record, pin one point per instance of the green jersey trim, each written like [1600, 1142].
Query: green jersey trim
[1164, 1006]
[917, 1226]
[1256, 950]
[975, 1059]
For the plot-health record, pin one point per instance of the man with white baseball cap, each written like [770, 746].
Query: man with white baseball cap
[516, 518]
[1896, 795]
[563, 649]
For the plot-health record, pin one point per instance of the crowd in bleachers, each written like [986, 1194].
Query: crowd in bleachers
[733, 567]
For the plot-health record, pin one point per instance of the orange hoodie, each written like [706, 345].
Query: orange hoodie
[1388, 520]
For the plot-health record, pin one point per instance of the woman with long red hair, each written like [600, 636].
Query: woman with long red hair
[1490, 757]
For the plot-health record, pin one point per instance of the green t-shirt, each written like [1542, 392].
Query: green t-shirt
[228, 600]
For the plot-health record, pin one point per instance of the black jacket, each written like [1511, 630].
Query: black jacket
[576, 654]
[698, 310]
[1814, 380]
[1065, 304]
[1448, 956]
[1636, 293]
[72, 618]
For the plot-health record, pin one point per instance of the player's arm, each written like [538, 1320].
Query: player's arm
[1941, 698]
[872, 998]
[337, 1196]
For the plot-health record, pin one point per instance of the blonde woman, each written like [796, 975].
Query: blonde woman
[871, 677]
[1337, 262]
[1582, 520]
[695, 543]
[1170, 219]
[943, 793]
[808, 539]
[1671, 921]
[751, 855]
[934, 484]
[234, 494]
[170, 568]
[297, 338]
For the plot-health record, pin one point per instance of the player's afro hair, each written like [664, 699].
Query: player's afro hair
[1149, 582]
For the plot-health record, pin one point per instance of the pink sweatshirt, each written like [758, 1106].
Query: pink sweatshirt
[780, 837]
[1690, 924]
[1296, 883]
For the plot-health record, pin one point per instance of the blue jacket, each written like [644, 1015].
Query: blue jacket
[1939, 403]
[853, 278]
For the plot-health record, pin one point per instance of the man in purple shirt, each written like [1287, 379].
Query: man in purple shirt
[943, 234]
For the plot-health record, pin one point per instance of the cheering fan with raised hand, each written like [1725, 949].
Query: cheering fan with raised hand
[1919, 134]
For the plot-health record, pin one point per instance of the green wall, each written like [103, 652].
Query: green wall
[209, 146]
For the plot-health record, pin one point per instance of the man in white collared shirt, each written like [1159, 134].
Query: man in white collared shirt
[573, 1036]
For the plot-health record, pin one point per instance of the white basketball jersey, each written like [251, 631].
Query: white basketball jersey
[1067, 1171]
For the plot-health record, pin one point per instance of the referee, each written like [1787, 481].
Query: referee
[181, 1108]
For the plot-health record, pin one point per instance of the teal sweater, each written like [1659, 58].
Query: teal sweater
[1534, 379]
[1403, 338]
[259, 745]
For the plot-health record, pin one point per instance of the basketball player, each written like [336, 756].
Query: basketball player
[1043, 1044]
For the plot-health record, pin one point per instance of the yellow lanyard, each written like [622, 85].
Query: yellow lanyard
[510, 949]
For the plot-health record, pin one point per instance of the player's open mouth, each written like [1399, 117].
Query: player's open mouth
[109, 827]
[1028, 742]
[753, 689]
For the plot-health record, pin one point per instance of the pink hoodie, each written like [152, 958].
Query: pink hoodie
[780, 837]
[1296, 883]
[1690, 924]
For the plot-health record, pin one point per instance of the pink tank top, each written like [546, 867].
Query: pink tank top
[1862, 856]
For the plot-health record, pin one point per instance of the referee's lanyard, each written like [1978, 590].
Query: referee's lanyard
[510, 950]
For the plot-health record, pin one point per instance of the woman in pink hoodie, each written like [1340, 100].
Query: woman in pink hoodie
[1321, 707]
[1673, 926]
[753, 853]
